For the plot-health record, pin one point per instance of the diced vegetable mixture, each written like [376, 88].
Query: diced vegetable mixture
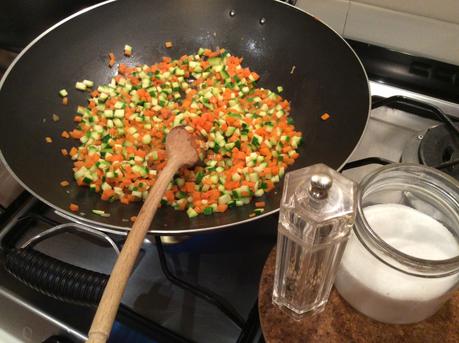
[247, 137]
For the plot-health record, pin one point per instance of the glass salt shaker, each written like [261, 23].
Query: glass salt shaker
[316, 216]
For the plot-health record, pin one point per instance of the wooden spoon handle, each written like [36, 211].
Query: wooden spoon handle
[111, 298]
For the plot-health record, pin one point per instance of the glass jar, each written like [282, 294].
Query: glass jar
[401, 263]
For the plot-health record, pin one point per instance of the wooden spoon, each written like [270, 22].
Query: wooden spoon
[180, 152]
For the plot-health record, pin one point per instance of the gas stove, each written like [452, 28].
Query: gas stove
[201, 288]
[213, 300]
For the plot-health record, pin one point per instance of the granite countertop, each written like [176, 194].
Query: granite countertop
[339, 322]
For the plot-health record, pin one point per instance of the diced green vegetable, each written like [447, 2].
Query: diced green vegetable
[127, 50]
[80, 86]
[101, 213]
[208, 211]
[88, 83]
[191, 212]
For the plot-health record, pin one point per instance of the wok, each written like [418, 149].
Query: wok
[272, 37]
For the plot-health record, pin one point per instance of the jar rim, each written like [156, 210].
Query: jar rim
[391, 256]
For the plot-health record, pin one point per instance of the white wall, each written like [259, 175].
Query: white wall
[426, 28]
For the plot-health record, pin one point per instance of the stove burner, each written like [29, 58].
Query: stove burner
[439, 145]
[435, 147]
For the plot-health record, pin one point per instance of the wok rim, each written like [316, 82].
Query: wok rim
[123, 230]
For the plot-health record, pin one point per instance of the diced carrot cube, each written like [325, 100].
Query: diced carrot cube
[74, 207]
[325, 116]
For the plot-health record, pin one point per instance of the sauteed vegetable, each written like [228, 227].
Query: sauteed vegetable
[247, 137]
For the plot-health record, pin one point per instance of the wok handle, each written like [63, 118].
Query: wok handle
[111, 298]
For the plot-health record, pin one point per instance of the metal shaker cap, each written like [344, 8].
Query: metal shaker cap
[319, 186]
[319, 192]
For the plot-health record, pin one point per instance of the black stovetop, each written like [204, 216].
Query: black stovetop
[227, 262]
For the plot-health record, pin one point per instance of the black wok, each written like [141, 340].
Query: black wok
[271, 36]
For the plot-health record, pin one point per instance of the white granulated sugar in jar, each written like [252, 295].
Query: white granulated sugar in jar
[384, 293]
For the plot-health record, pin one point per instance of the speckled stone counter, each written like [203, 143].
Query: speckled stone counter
[339, 322]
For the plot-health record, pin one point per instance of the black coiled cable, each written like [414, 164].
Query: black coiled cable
[55, 278]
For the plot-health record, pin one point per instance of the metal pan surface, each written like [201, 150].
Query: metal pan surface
[271, 36]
